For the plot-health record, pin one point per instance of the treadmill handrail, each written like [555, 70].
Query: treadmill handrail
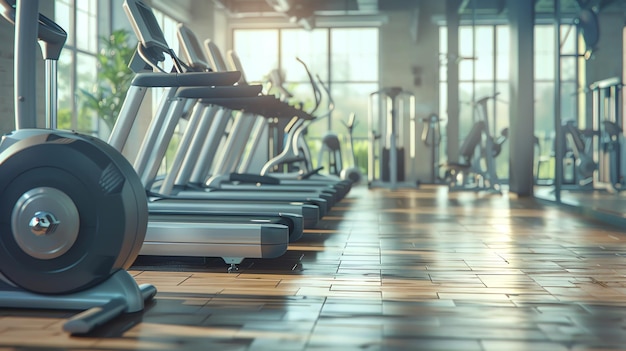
[199, 79]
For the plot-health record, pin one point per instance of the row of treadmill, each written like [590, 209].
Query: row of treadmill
[205, 204]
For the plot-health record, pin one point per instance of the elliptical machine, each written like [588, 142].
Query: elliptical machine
[73, 212]
[331, 147]
[352, 172]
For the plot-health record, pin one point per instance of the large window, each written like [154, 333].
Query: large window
[84, 22]
[483, 64]
[483, 71]
[572, 97]
[77, 64]
[346, 59]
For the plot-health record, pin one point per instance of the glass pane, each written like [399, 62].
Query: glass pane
[544, 108]
[501, 119]
[544, 52]
[86, 68]
[568, 39]
[443, 50]
[482, 91]
[582, 97]
[466, 70]
[169, 32]
[248, 44]
[352, 98]
[568, 68]
[443, 115]
[303, 95]
[63, 17]
[466, 53]
[354, 54]
[466, 41]
[569, 92]
[311, 47]
[87, 25]
[443, 71]
[498, 123]
[544, 130]
[443, 40]
[466, 99]
[502, 52]
[484, 52]
[65, 101]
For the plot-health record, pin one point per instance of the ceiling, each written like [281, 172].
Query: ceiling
[307, 8]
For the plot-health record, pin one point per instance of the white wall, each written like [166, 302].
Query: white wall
[400, 54]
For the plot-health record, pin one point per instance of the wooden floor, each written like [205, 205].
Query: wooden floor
[402, 270]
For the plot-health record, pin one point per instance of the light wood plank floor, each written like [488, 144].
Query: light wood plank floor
[387, 270]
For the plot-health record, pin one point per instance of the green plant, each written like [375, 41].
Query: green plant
[113, 79]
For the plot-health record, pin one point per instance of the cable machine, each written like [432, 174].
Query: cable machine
[607, 121]
[389, 111]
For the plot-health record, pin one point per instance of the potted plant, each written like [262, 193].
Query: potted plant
[113, 78]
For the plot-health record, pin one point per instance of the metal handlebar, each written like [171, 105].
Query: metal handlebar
[316, 90]
[49, 32]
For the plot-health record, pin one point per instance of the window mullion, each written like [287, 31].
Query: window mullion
[74, 69]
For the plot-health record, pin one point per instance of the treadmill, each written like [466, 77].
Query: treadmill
[193, 233]
[304, 177]
[152, 50]
[191, 164]
[239, 133]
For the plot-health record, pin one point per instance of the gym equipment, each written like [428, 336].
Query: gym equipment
[579, 156]
[231, 156]
[295, 158]
[233, 149]
[593, 158]
[476, 169]
[330, 153]
[389, 111]
[234, 145]
[607, 120]
[73, 211]
[171, 231]
[352, 172]
[163, 125]
[431, 137]
[331, 146]
[331, 149]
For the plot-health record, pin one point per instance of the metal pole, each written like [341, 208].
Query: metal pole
[393, 151]
[559, 152]
[26, 27]
[51, 94]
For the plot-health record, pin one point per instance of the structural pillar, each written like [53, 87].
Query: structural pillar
[521, 83]
[452, 129]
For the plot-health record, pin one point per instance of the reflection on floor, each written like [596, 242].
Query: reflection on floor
[387, 270]
[606, 206]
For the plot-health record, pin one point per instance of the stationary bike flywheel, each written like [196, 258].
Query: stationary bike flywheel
[72, 211]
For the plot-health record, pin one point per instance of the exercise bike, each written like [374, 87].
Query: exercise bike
[73, 212]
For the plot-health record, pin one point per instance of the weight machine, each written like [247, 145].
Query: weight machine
[476, 170]
[607, 121]
[390, 110]
[594, 156]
